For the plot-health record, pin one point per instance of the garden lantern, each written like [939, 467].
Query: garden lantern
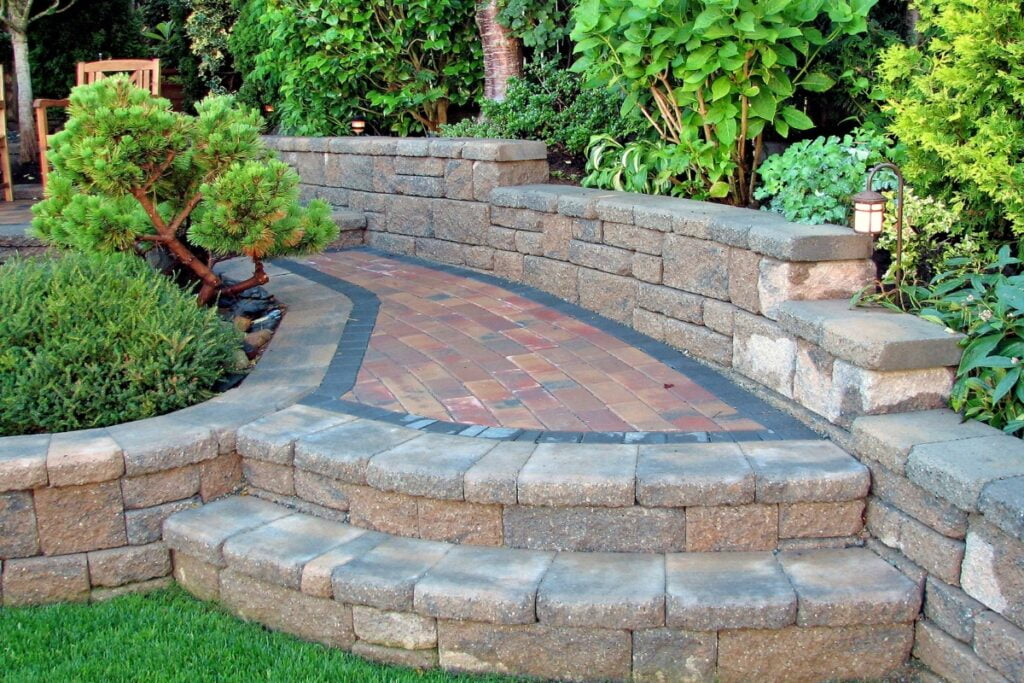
[358, 126]
[869, 213]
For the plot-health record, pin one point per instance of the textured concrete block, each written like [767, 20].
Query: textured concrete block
[343, 452]
[601, 257]
[483, 584]
[551, 276]
[201, 533]
[462, 222]
[599, 474]
[949, 658]
[394, 629]
[385, 576]
[604, 590]
[146, 525]
[959, 470]
[278, 552]
[83, 457]
[732, 527]
[780, 281]
[459, 522]
[743, 279]
[699, 341]
[951, 609]
[316, 619]
[632, 529]
[488, 176]
[321, 490]
[23, 461]
[273, 437]
[18, 536]
[392, 513]
[162, 443]
[431, 465]
[714, 591]
[199, 578]
[856, 391]
[149, 490]
[492, 478]
[993, 571]
[647, 268]
[888, 439]
[698, 266]
[634, 238]
[316, 574]
[74, 519]
[803, 471]
[813, 654]
[1000, 644]
[938, 554]
[764, 352]
[220, 476]
[268, 476]
[42, 580]
[103, 594]
[935, 512]
[395, 656]
[693, 474]
[1002, 503]
[547, 652]
[612, 296]
[849, 588]
[719, 316]
[120, 566]
[821, 520]
[666, 654]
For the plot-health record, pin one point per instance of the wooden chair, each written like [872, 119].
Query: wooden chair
[143, 73]
[6, 182]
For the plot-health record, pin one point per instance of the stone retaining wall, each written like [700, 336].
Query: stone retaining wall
[718, 282]
[81, 512]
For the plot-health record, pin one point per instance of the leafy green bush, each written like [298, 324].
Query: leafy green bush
[645, 166]
[208, 27]
[713, 76]
[548, 104]
[258, 88]
[174, 51]
[130, 175]
[542, 25]
[397, 64]
[813, 180]
[95, 340]
[956, 102]
[988, 307]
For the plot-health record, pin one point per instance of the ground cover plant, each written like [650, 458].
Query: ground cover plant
[168, 636]
[92, 340]
[131, 175]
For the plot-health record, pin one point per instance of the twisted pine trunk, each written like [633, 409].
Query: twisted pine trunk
[503, 54]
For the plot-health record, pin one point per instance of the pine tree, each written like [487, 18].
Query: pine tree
[130, 174]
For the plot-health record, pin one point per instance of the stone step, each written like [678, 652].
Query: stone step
[348, 219]
[746, 496]
[811, 615]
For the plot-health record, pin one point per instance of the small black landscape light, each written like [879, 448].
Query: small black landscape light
[869, 213]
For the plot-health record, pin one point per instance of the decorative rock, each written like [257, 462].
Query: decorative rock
[605, 590]
[23, 462]
[801, 471]
[693, 474]
[278, 551]
[201, 533]
[959, 470]
[385, 576]
[42, 580]
[120, 566]
[74, 519]
[714, 591]
[599, 474]
[149, 490]
[547, 652]
[813, 654]
[18, 536]
[343, 452]
[849, 588]
[665, 654]
[486, 585]
[633, 529]
[728, 527]
[315, 619]
[83, 457]
[430, 465]
[273, 437]
[394, 629]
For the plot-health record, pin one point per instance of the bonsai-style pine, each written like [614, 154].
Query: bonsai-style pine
[129, 174]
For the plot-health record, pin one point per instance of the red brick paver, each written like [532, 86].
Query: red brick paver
[455, 348]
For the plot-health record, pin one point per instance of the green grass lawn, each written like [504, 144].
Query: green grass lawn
[169, 636]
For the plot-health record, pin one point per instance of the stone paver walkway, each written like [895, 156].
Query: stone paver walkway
[453, 347]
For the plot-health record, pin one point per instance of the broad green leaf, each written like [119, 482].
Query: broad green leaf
[719, 190]
[721, 87]
[797, 119]
[817, 82]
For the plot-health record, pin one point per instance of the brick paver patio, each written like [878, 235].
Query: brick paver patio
[451, 347]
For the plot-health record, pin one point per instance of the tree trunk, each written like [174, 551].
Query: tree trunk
[23, 87]
[503, 54]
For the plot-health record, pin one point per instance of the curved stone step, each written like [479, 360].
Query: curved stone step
[598, 497]
[812, 615]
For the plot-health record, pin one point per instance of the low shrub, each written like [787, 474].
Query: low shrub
[96, 340]
[987, 305]
[549, 104]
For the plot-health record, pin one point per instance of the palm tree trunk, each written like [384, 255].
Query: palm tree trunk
[503, 54]
[23, 87]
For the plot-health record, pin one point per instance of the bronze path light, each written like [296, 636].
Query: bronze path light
[869, 213]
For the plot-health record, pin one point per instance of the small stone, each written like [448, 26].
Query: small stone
[44, 580]
[74, 519]
[258, 339]
[394, 629]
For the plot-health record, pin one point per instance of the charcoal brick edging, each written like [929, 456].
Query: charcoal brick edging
[81, 512]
